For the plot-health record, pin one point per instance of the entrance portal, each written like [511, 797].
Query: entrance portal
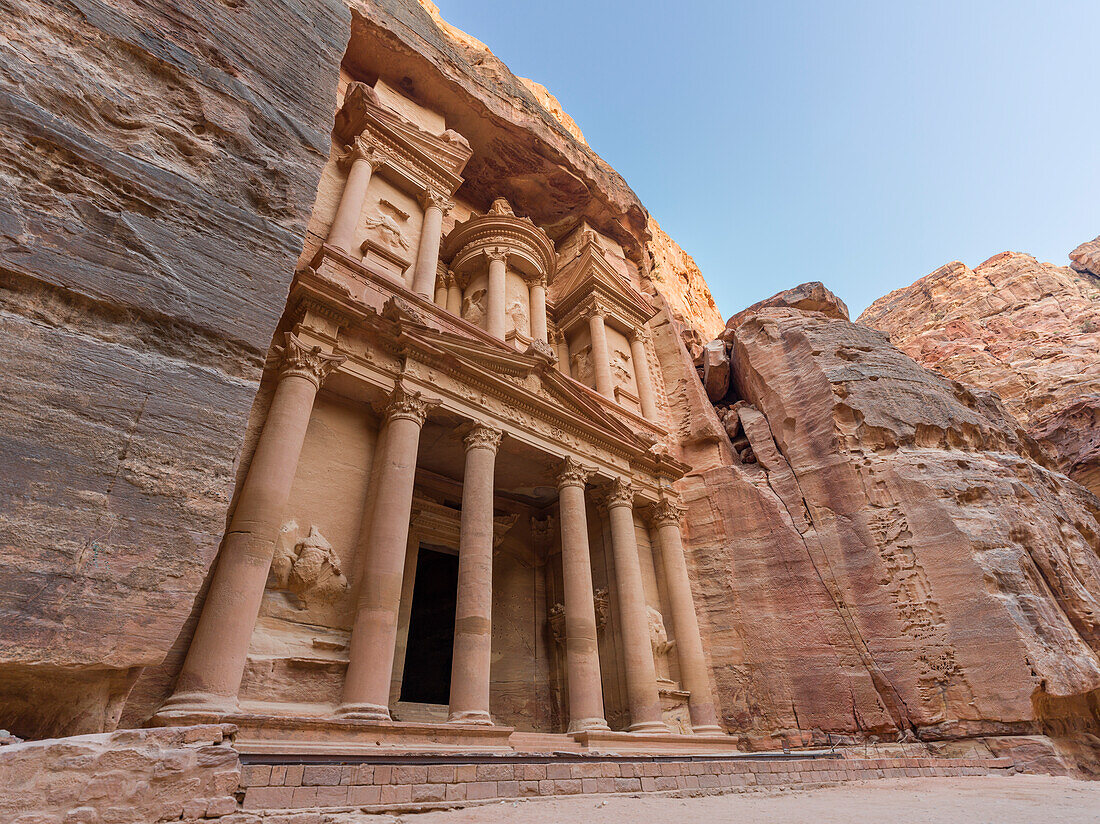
[427, 675]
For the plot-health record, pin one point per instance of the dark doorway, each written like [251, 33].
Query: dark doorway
[427, 678]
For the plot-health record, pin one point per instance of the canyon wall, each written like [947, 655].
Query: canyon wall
[1028, 331]
[880, 550]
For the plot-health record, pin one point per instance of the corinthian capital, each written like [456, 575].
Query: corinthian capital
[361, 149]
[497, 253]
[483, 437]
[596, 310]
[666, 512]
[412, 406]
[431, 197]
[309, 362]
[620, 492]
[640, 333]
[572, 472]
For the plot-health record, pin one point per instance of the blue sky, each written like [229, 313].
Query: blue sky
[860, 144]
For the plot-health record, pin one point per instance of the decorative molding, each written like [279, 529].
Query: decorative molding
[399, 309]
[483, 436]
[309, 362]
[540, 349]
[572, 472]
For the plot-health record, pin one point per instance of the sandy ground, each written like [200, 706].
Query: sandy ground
[1021, 799]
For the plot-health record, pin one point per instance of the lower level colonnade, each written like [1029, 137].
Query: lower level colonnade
[212, 672]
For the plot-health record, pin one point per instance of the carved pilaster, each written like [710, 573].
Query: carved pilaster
[572, 472]
[310, 362]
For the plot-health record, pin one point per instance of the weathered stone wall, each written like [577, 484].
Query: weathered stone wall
[159, 162]
[895, 554]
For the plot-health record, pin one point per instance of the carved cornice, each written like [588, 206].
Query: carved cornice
[412, 406]
[666, 512]
[572, 472]
[482, 436]
[309, 362]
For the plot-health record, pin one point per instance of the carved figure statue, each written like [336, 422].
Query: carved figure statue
[517, 311]
[307, 567]
[620, 367]
[386, 231]
[581, 363]
[473, 306]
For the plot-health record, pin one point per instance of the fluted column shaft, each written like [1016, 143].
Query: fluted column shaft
[601, 356]
[454, 295]
[538, 309]
[427, 253]
[363, 160]
[582, 657]
[495, 298]
[211, 673]
[473, 613]
[666, 517]
[641, 673]
[374, 632]
[641, 374]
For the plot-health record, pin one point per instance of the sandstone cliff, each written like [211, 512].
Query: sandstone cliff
[1028, 331]
[878, 549]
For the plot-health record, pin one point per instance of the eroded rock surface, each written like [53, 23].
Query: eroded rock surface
[1028, 331]
[898, 558]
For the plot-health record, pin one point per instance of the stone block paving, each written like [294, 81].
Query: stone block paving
[381, 786]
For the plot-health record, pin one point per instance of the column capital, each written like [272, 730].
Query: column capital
[482, 436]
[309, 362]
[450, 279]
[666, 512]
[411, 406]
[536, 280]
[640, 333]
[430, 197]
[596, 310]
[361, 148]
[497, 253]
[620, 492]
[572, 472]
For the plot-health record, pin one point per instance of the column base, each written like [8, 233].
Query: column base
[648, 726]
[470, 717]
[586, 724]
[708, 729]
[364, 712]
[191, 703]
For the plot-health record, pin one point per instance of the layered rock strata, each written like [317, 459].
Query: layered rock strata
[1028, 331]
[890, 554]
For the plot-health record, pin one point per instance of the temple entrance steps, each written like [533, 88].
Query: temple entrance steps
[417, 782]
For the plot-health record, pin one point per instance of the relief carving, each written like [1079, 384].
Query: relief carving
[385, 231]
[473, 306]
[581, 364]
[620, 368]
[517, 311]
[307, 567]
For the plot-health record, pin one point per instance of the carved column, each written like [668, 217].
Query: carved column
[427, 254]
[641, 675]
[601, 355]
[646, 395]
[495, 300]
[666, 516]
[441, 291]
[362, 159]
[562, 345]
[538, 309]
[473, 613]
[374, 633]
[581, 652]
[212, 672]
[454, 295]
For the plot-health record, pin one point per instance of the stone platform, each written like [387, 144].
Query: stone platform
[393, 783]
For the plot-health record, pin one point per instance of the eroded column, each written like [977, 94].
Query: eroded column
[361, 159]
[374, 633]
[666, 516]
[473, 614]
[454, 295]
[537, 294]
[641, 674]
[641, 373]
[495, 299]
[212, 672]
[581, 652]
[427, 253]
[601, 356]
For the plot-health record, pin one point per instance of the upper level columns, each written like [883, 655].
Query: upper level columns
[362, 159]
[648, 398]
[495, 299]
[212, 672]
[581, 651]
[562, 347]
[641, 675]
[427, 254]
[666, 515]
[374, 633]
[441, 291]
[454, 295]
[537, 294]
[601, 355]
[473, 614]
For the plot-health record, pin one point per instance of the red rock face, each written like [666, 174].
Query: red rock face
[1028, 331]
[899, 555]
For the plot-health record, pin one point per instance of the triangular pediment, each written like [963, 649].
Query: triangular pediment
[591, 274]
